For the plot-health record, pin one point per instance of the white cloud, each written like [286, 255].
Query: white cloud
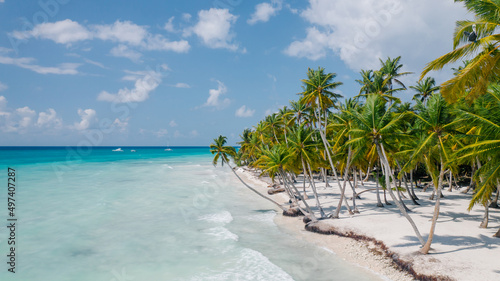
[2, 1]
[96, 63]
[312, 47]
[121, 125]
[159, 43]
[62, 32]
[214, 28]
[193, 133]
[361, 32]
[121, 31]
[161, 133]
[3, 87]
[125, 52]
[172, 123]
[264, 11]
[182, 85]
[88, 117]
[49, 119]
[27, 63]
[169, 26]
[244, 112]
[214, 98]
[145, 82]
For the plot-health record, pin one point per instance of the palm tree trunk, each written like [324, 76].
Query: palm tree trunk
[354, 194]
[450, 176]
[342, 189]
[406, 186]
[254, 190]
[497, 234]
[381, 152]
[484, 222]
[327, 149]
[494, 203]
[427, 246]
[315, 192]
[412, 186]
[379, 202]
[308, 209]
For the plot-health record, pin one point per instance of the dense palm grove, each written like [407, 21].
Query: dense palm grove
[448, 135]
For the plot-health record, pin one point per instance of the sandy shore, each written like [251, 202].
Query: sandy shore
[460, 249]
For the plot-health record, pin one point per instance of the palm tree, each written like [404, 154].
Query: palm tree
[436, 123]
[375, 125]
[319, 97]
[425, 89]
[485, 114]
[303, 148]
[391, 70]
[223, 152]
[473, 80]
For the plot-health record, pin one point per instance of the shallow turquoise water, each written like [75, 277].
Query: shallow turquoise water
[147, 215]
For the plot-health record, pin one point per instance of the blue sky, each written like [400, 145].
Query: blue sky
[182, 72]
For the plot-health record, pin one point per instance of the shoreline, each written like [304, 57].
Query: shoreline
[457, 254]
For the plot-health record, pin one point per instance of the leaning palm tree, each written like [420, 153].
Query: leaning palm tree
[391, 69]
[479, 38]
[224, 153]
[436, 123]
[376, 125]
[425, 88]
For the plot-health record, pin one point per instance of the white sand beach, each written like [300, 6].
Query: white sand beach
[460, 249]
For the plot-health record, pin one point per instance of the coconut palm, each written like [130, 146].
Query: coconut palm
[484, 68]
[425, 88]
[304, 149]
[224, 153]
[391, 69]
[485, 114]
[375, 124]
[436, 122]
[276, 161]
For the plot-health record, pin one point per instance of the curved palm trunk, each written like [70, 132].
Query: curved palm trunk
[425, 249]
[308, 209]
[254, 190]
[406, 186]
[354, 194]
[381, 152]
[342, 190]
[315, 192]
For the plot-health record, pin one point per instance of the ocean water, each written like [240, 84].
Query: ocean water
[152, 214]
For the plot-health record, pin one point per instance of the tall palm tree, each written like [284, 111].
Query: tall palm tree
[224, 153]
[436, 122]
[303, 148]
[375, 125]
[319, 96]
[485, 114]
[484, 68]
[391, 69]
[425, 88]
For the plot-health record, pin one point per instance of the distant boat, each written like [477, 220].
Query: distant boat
[118, 149]
[168, 149]
[132, 150]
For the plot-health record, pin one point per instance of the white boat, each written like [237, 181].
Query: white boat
[132, 150]
[168, 149]
[118, 149]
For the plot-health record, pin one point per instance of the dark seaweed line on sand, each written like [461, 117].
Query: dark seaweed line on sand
[400, 264]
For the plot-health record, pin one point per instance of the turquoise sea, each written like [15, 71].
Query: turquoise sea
[98, 214]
